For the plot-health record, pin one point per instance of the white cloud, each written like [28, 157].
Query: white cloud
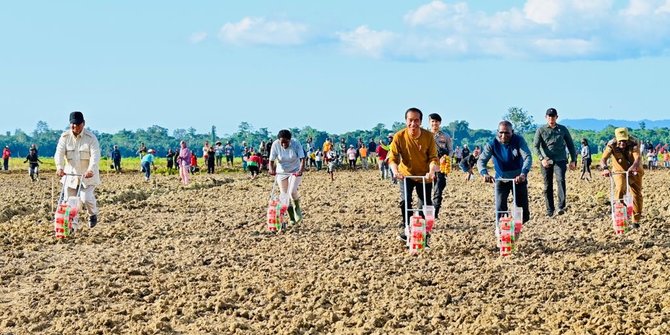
[259, 31]
[543, 11]
[638, 8]
[540, 29]
[664, 8]
[365, 41]
[439, 14]
[198, 37]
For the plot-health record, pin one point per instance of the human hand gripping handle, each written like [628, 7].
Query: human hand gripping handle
[520, 178]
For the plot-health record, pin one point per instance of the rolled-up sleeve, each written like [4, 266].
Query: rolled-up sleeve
[59, 156]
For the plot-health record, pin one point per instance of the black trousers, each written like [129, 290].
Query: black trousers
[441, 183]
[554, 171]
[502, 193]
[406, 197]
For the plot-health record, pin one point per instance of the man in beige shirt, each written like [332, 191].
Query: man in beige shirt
[78, 152]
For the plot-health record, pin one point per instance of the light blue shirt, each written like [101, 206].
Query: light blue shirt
[148, 158]
[288, 160]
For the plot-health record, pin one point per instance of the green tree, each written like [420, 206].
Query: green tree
[521, 120]
[460, 130]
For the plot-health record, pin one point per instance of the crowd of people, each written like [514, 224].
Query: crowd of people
[413, 151]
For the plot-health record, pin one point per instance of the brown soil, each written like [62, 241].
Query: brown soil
[171, 259]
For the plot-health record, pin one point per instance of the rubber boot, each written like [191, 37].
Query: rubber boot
[291, 214]
[298, 211]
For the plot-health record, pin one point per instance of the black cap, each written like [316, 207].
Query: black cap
[552, 112]
[76, 117]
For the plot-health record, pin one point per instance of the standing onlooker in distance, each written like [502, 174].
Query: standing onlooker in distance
[184, 162]
[511, 160]
[413, 153]
[382, 160]
[176, 158]
[34, 163]
[6, 153]
[287, 158]
[550, 143]
[331, 161]
[211, 159]
[625, 153]
[351, 155]
[116, 158]
[444, 148]
[372, 152]
[194, 162]
[170, 159]
[218, 152]
[318, 159]
[586, 160]
[243, 154]
[148, 163]
[205, 151]
[229, 151]
[78, 152]
[389, 139]
[363, 154]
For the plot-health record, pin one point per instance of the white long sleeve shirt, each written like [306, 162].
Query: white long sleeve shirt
[78, 154]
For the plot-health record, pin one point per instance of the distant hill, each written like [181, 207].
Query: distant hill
[597, 125]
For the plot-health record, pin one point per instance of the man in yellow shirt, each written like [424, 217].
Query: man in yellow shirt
[625, 153]
[413, 152]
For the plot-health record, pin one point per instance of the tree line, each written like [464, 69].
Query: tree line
[161, 139]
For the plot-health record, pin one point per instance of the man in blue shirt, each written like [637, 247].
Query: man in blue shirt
[511, 160]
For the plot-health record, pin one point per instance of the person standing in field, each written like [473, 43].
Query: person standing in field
[6, 153]
[229, 151]
[116, 158]
[363, 154]
[211, 159]
[372, 152]
[34, 163]
[78, 152]
[586, 160]
[512, 159]
[625, 153]
[170, 159]
[287, 163]
[551, 142]
[218, 152]
[318, 159]
[413, 153]
[351, 155]
[184, 162]
[382, 161]
[444, 149]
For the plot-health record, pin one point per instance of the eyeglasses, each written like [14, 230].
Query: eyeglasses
[504, 132]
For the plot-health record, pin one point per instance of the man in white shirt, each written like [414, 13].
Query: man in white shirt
[78, 152]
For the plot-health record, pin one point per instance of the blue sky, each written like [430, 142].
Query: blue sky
[335, 66]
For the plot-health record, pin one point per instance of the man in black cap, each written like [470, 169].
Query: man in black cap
[550, 143]
[78, 152]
